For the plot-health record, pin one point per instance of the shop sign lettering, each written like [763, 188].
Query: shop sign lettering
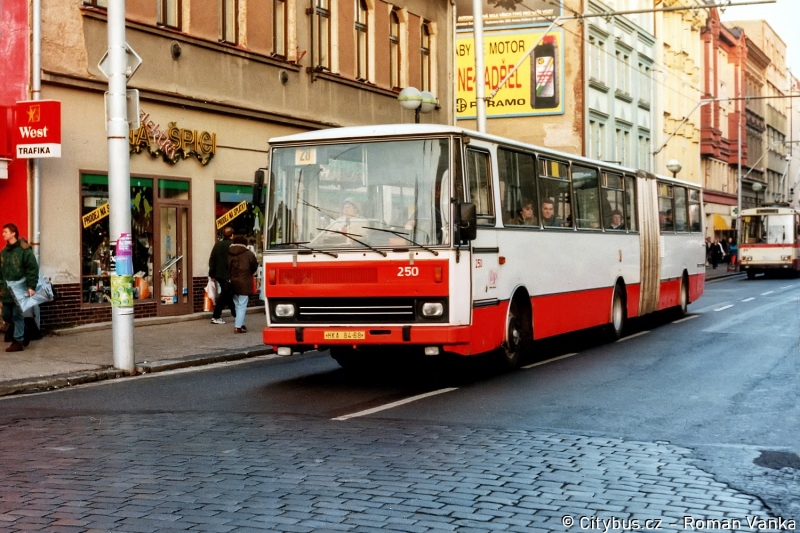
[230, 215]
[173, 144]
[95, 216]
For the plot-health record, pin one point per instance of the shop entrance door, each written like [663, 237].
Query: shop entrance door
[173, 288]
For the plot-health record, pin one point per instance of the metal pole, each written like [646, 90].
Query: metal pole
[480, 74]
[119, 181]
[36, 90]
[739, 180]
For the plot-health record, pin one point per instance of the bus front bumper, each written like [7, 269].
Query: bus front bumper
[448, 338]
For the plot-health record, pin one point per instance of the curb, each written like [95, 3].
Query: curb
[60, 381]
[726, 276]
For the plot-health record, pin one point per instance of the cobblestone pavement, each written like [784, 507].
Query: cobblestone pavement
[238, 473]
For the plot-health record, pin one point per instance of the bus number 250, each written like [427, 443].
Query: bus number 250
[407, 271]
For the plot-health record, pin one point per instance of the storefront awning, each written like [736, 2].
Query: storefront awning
[720, 224]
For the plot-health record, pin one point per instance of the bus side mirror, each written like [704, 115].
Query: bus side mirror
[258, 186]
[468, 222]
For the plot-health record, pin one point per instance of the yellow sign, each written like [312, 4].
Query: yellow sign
[344, 335]
[230, 215]
[535, 88]
[98, 214]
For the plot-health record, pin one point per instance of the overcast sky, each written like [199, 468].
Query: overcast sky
[783, 16]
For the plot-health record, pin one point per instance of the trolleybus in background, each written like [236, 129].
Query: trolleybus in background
[769, 241]
[441, 239]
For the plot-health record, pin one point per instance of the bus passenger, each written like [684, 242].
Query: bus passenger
[549, 217]
[616, 220]
[526, 215]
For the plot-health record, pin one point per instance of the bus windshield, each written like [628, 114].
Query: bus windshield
[769, 229]
[360, 195]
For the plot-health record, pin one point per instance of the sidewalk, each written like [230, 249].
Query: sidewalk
[84, 354]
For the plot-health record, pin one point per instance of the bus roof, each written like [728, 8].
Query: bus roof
[770, 210]
[399, 130]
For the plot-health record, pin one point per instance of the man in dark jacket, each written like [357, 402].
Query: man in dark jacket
[16, 262]
[218, 271]
[242, 264]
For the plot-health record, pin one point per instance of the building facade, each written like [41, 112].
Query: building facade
[723, 123]
[774, 159]
[218, 79]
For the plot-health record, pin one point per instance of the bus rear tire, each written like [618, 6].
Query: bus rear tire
[683, 299]
[512, 346]
[618, 315]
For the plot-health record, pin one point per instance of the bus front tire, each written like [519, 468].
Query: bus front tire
[751, 274]
[512, 346]
[618, 315]
[346, 357]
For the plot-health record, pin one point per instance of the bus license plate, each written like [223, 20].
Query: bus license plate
[345, 335]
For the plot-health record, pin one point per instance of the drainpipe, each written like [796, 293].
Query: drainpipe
[36, 90]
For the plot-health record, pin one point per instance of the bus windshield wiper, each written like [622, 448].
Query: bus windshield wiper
[350, 236]
[405, 237]
[303, 245]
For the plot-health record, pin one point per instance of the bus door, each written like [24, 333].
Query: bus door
[484, 248]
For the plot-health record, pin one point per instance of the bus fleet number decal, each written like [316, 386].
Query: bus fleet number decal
[407, 271]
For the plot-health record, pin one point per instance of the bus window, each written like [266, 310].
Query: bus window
[554, 200]
[613, 202]
[630, 203]
[665, 218]
[480, 186]
[587, 205]
[694, 211]
[681, 218]
[517, 188]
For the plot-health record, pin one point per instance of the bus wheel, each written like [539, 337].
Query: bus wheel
[751, 274]
[513, 343]
[617, 314]
[683, 302]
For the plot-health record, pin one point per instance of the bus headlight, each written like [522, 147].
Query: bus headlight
[432, 309]
[284, 310]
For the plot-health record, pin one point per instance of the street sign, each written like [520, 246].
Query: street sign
[131, 108]
[132, 60]
[37, 129]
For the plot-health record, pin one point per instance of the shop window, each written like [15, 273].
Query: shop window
[169, 13]
[97, 253]
[173, 190]
[250, 223]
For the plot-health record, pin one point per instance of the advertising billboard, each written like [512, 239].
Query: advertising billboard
[535, 88]
[508, 13]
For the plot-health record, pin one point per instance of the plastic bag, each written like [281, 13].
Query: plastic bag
[211, 290]
[44, 293]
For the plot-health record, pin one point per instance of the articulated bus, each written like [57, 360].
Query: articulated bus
[769, 241]
[440, 239]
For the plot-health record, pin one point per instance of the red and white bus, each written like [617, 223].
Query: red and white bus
[769, 241]
[420, 236]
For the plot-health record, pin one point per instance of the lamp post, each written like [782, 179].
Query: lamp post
[674, 166]
[412, 98]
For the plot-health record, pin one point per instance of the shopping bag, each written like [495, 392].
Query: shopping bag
[43, 293]
[211, 290]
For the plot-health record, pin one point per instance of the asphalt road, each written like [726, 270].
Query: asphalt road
[692, 405]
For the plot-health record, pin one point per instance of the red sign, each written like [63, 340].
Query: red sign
[37, 129]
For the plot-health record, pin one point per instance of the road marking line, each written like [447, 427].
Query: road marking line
[394, 404]
[724, 307]
[632, 336]
[765, 293]
[787, 287]
[748, 299]
[684, 319]
[549, 360]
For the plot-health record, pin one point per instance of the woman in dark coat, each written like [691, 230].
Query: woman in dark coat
[242, 264]
[717, 253]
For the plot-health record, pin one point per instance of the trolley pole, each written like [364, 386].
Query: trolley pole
[119, 181]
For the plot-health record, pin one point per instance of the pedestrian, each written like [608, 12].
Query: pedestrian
[717, 253]
[733, 251]
[242, 264]
[708, 251]
[218, 271]
[16, 262]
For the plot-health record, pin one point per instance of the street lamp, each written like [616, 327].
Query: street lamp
[756, 189]
[674, 166]
[412, 98]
